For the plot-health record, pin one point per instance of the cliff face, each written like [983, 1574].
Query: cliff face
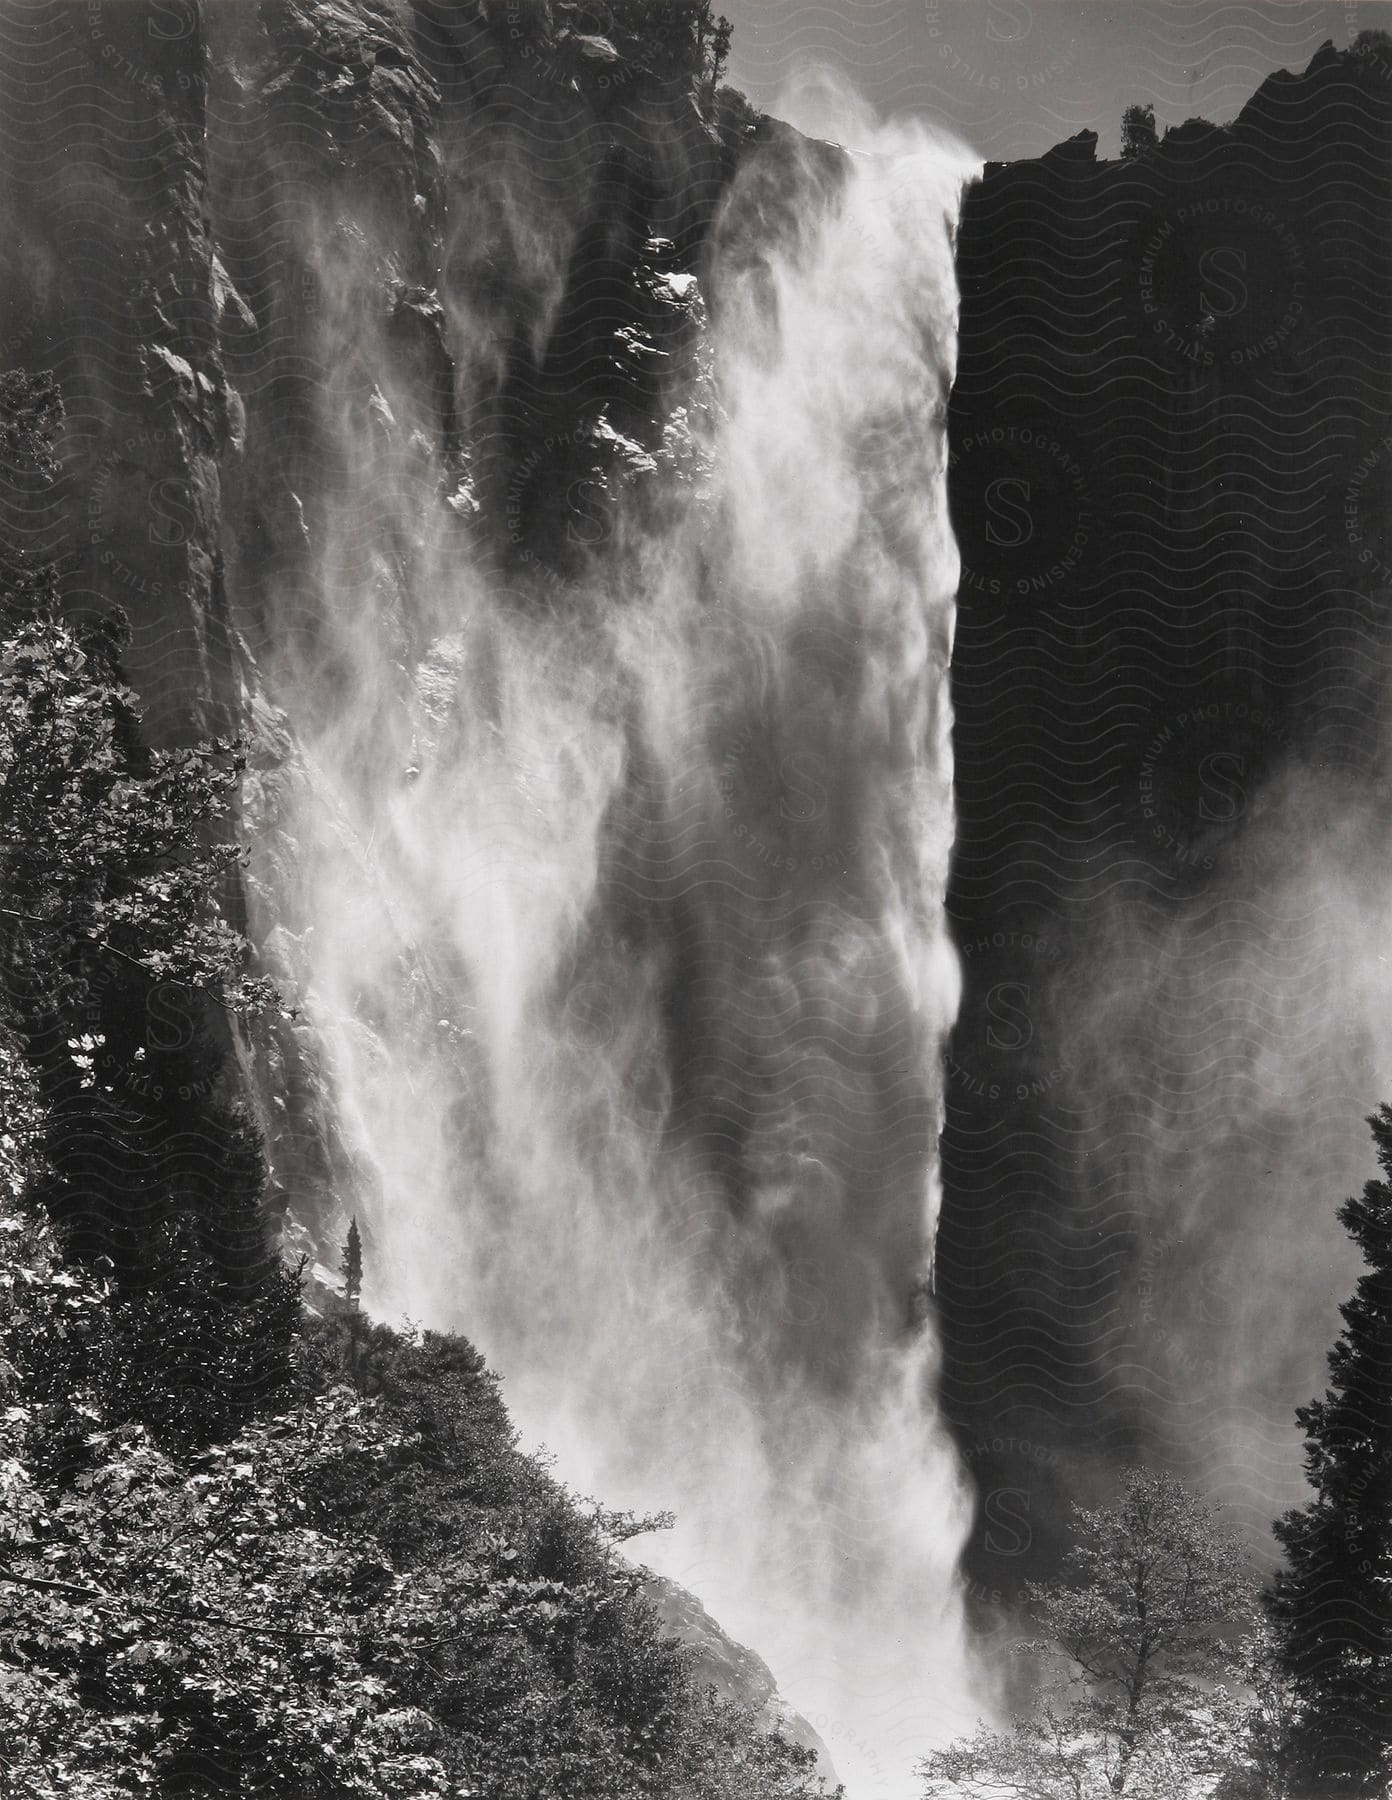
[732, 1670]
[115, 286]
[189, 190]
[1170, 480]
[291, 263]
[207, 202]
[459, 244]
[502, 197]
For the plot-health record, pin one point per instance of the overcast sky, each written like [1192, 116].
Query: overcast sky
[1014, 76]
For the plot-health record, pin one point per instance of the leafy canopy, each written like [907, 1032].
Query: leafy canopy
[1134, 1648]
[107, 849]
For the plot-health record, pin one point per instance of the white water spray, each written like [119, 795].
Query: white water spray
[618, 916]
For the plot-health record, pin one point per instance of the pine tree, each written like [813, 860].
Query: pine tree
[352, 1267]
[1332, 1602]
[1137, 131]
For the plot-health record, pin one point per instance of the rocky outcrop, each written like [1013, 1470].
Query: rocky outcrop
[735, 1672]
[114, 288]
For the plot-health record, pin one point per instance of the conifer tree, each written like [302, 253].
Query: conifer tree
[352, 1266]
[1137, 131]
[1331, 1603]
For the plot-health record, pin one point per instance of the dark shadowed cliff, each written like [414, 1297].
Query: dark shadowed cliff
[1170, 478]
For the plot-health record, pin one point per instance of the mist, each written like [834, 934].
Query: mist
[610, 881]
[1226, 1046]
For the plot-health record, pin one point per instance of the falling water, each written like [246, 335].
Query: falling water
[615, 905]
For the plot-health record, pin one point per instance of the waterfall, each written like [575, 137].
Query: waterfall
[614, 902]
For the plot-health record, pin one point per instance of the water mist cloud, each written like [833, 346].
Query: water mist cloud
[616, 903]
[1226, 1051]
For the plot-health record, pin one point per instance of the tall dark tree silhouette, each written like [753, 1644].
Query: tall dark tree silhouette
[1137, 131]
[1331, 1603]
[352, 1266]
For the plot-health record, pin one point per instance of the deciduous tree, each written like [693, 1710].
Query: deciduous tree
[1134, 1644]
[118, 974]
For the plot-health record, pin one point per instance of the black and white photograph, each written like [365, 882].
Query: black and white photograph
[695, 900]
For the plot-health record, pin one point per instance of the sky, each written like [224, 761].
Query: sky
[1012, 77]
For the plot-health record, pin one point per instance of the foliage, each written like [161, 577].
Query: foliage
[360, 1595]
[1331, 1604]
[1135, 1642]
[225, 1569]
[21, 1119]
[678, 41]
[1137, 131]
[560, 1680]
[352, 1268]
[116, 958]
[170, 1628]
[1253, 1721]
[106, 853]
[30, 416]
[1372, 44]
